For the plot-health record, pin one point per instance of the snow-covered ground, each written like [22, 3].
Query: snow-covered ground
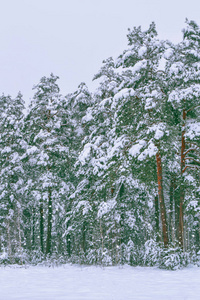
[95, 283]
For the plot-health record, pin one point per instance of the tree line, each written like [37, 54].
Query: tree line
[108, 177]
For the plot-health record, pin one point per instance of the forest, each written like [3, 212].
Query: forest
[107, 177]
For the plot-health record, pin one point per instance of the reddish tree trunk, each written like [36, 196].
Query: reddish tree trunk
[161, 199]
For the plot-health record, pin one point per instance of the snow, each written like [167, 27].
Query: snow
[118, 145]
[85, 153]
[135, 149]
[168, 53]
[187, 93]
[193, 130]
[88, 117]
[190, 178]
[142, 51]
[32, 150]
[139, 65]
[14, 158]
[85, 206]
[95, 283]
[176, 68]
[124, 93]
[150, 103]
[6, 150]
[105, 207]
[158, 129]
[150, 151]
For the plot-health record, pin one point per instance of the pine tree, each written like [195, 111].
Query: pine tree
[12, 147]
[183, 69]
[75, 128]
[47, 156]
[142, 75]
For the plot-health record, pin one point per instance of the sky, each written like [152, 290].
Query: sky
[72, 38]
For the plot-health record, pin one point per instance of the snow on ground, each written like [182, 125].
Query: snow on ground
[95, 283]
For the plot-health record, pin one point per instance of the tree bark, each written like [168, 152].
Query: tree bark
[33, 229]
[8, 239]
[19, 234]
[84, 237]
[68, 242]
[161, 199]
[171, 213]
[157, 218]
[49, 225]
[182, 192]
[41, 227]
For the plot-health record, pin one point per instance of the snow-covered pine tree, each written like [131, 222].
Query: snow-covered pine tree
[48, 166]
[75, 129]
[143, 79]
[119, 122]
[183, 69]
[12, 148]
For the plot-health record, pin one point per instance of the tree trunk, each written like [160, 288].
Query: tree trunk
[157, 218]
[41, 227]
[49, 225]
[84, 237]
[171, 219]
[101, 234]
[33, 230]
[176, 209]
[161, 199]
[68, 242]
[182, 192]
[122, 233]
[19, 235]
[8, 239]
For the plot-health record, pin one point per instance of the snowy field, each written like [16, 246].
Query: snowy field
[95, 283]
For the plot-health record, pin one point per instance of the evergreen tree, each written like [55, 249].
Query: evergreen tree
[12, 147]
[47, 158]
[183, 69]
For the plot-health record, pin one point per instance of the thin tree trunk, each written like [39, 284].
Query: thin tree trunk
[122, 233]
[84, 237]
[116, 258]
[171, 219]
[49, 225]
[9, 242]
[101, 233]
[182, 192]
[157, 218]
[68, 242]
[33, 230]
[8, 234]
[112, 190]
[41, 227]
[161, 199]
[19, 234]
[176, 209]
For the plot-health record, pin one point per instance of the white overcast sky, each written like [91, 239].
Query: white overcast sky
[71, 37]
